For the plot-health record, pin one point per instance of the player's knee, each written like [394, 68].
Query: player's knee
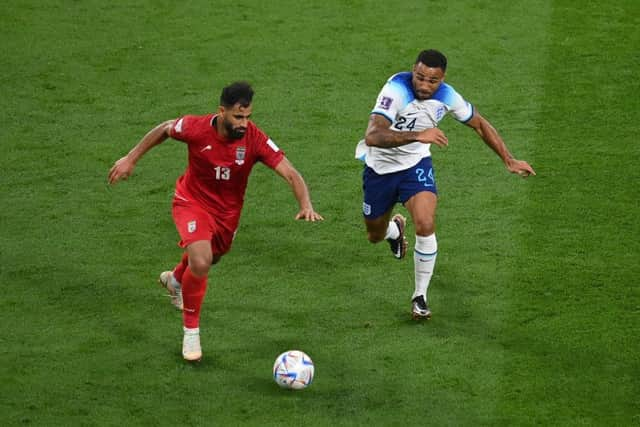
[425, 228]
[200, 265]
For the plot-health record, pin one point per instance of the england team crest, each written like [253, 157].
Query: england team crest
[240, 153]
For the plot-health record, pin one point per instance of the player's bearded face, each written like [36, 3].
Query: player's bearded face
[234, 132]
[426, 80]
[236, 120]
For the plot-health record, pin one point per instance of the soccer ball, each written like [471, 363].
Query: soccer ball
[293, 369]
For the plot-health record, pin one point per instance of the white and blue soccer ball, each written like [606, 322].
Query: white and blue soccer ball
[294, 370]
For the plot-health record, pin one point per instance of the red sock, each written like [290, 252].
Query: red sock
[193, 291]
[178, 272]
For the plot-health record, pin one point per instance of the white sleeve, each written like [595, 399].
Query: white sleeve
[392, 98]
[459, 108]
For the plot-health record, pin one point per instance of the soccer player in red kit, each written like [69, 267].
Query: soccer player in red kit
[223, 148]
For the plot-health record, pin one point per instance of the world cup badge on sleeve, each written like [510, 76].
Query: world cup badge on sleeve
[240, 153]
[385, 102]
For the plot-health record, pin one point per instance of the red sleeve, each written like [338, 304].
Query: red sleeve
[268, 152]
[183, 129]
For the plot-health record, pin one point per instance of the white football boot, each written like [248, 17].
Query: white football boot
[173, 287]
[191, 350]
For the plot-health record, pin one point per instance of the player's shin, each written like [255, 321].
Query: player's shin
[178, 271]
[193, 291]
[424, 259]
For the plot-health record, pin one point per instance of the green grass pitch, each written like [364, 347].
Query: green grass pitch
[535, 296]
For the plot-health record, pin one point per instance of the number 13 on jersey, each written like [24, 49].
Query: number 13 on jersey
[222, 173]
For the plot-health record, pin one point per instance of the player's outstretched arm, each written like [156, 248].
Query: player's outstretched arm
[123, 168]
[492, 138]
[286, 170]
[379, 134]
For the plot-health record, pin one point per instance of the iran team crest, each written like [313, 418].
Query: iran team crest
[240, 153]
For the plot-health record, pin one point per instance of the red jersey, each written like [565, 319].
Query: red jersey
[219, 168]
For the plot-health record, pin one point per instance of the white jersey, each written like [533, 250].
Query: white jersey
[398, 103]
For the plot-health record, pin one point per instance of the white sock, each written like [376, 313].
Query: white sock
[191, 331]
[424, 259]
[392, 231]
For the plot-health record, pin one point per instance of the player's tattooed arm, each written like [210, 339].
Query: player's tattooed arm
[379, 134]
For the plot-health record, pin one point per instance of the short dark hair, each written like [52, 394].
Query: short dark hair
[236, 93]
[433, 58]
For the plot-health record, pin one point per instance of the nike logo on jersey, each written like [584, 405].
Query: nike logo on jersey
[179, 196]
[208, 147]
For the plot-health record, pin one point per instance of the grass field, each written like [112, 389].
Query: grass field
[535, 296]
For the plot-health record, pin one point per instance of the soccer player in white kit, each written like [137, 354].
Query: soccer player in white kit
[396, 150]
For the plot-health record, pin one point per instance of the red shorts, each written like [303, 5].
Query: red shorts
[194, 223]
